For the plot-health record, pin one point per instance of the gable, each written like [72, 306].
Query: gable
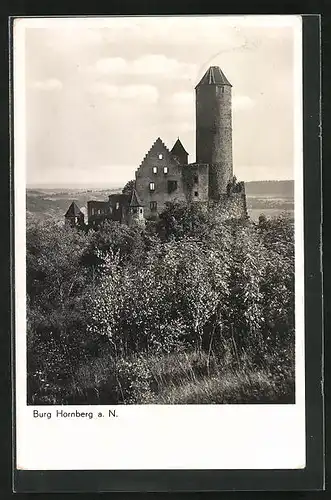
[158, 155]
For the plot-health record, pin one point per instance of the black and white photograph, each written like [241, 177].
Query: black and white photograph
[159, 189]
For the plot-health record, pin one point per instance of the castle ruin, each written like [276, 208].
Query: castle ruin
[166, 176]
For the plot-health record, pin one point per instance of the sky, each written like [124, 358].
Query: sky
[99, 92]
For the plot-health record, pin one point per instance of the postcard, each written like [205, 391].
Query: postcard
[159, 251]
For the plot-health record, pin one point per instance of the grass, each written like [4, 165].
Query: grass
[181, 378]
[229, 388]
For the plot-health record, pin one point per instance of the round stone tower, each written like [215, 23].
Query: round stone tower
[214, 129]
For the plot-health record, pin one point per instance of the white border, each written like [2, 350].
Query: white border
[157, 437]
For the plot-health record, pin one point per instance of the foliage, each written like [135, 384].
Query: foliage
[164, 313]
[129, 186]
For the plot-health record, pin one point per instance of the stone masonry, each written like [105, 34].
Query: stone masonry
[165, 175]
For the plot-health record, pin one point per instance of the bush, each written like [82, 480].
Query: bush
[104, 302]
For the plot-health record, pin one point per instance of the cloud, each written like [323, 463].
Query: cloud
[242, 102]
[183, 98]
[147, 93]
[49, 84]
[83, 32]
[72, 36]
[149, 64]
[111, 65]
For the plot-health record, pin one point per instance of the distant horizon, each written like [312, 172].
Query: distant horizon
[118, 186]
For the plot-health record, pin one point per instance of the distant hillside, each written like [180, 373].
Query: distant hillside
[281, 189]
[269, 197]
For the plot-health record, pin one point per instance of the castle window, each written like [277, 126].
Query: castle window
[165, 170]
[196, 179]
[154, 170]
[222, 90]
[151, 186]
[153, 206]
[172, 186]
[117, 205]
[160, 156]
[140, 210]
[196, 193]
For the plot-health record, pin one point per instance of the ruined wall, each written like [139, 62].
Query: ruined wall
[96, 210]
[195, 182]
[214, 135]
[118, 207]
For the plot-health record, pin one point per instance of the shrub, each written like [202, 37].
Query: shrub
[109, 300]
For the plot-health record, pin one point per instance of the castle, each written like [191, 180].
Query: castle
[166, 176]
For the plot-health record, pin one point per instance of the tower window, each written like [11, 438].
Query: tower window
[196, 179]
[196, 193]
[151, 186]
[117, 205]
[154, 170]
[160, 156]
[140, 210]
[222, 90]
[165, 170]
[153, 206]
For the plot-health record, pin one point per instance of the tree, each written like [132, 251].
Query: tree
[179, 220]
[129, 186]
[114, 238]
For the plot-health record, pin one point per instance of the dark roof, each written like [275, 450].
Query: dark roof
[178, 148]
[73, 211]
[214, 76]
[135, 202]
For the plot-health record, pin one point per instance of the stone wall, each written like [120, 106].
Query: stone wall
[214, 135]
[96, 208]
[195, 182]
[152, 170]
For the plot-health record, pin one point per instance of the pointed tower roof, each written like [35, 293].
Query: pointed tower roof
[178, 148]
[214, 76]
[73, 210]
[135, 201]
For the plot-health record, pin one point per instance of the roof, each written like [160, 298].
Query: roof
[214, 76]
[178, 148]
[135, 202]
[73, 211]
